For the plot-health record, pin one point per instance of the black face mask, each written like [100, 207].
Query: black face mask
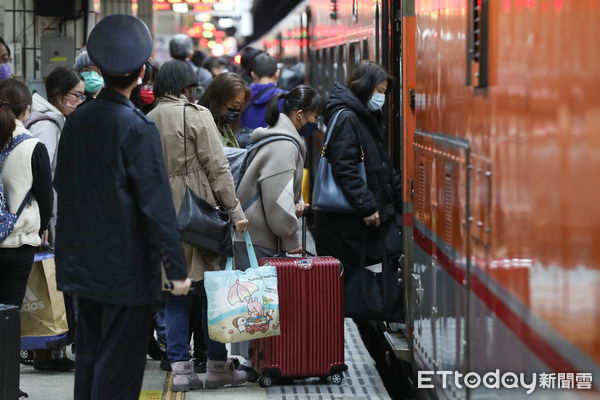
[308, 129]
[231, 115]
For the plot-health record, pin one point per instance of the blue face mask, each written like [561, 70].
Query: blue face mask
[308, 129]
[5, 71]
[377, 101]
[92, 81]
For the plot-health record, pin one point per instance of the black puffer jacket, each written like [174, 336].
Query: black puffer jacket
[344, 235]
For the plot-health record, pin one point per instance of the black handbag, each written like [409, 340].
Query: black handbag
[372, 295]
[200, 224]
[327, 195]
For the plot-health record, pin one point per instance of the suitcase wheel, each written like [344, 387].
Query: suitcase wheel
[265, 381]
[26, 357]
[337, 378]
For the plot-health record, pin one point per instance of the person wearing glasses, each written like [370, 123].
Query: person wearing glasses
[65, 89]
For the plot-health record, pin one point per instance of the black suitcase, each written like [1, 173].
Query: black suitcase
[10, 332]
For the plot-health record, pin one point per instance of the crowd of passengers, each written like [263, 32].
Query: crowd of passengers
[106, 173]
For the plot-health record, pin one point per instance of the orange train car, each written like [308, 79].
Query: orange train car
[506, 223]
[493, 122]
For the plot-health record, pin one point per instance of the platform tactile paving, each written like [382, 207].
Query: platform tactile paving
[361, 380]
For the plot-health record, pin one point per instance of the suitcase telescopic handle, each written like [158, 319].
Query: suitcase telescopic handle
[304, 231]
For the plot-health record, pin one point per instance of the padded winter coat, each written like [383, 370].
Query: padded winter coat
[345, 235]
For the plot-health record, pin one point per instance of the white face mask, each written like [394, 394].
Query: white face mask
[376, 102]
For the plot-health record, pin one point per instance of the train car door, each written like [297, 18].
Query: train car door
[404, 64]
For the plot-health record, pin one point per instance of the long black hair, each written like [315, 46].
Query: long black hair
[365, 77]
[173, 77]
[301, 97]
[14, 99]
[60, 81]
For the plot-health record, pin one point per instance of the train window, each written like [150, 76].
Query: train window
[354, 58]
[332, 68]
[477, 44]
[365, 50]
[318, 76]
[313, 65]
[341, 63]
[325, 67]
[377, 43]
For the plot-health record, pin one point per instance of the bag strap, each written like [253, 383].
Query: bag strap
[187, 177]
[26, 200]
[8, 148]
[330, 134]
[252, 149]
[257, 95]
[249, 250]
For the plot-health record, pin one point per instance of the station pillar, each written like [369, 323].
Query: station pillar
[110, 7]
[145, 12]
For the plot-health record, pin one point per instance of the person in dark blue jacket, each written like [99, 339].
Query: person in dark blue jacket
[264, 74]
[116, 220]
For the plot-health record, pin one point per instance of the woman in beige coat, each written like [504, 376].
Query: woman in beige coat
[210, 178]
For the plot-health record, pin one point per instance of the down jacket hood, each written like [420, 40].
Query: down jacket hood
[283, 127]
[341, 96]
[268, 90]
[40, 105]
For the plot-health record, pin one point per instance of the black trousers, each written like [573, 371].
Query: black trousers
[111, 350]
[15, 266]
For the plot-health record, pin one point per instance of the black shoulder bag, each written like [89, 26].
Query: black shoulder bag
[199, 223]
[374, 295]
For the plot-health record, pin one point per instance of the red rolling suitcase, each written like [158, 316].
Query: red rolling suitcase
[311, 310]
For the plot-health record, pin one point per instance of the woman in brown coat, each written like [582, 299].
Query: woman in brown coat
[210, 178]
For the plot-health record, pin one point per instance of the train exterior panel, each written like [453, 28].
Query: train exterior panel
[513, 221]
[493, 123]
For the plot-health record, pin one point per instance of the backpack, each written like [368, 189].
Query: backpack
[251, 151]
[8, 219]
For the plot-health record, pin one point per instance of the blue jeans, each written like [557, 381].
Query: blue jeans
[177, 312]
[160, 326]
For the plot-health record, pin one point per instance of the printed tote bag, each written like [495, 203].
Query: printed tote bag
[242, 305]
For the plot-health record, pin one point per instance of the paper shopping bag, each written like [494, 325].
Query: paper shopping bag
[242, 305]
[43, 312]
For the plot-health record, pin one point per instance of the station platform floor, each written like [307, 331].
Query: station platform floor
[361, 381]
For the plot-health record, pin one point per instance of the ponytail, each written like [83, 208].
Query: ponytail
[302, 97]
[272, 113]
[14, 100]
[7, 123]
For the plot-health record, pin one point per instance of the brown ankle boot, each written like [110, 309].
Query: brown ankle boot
[222, 373]
[184, 377]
